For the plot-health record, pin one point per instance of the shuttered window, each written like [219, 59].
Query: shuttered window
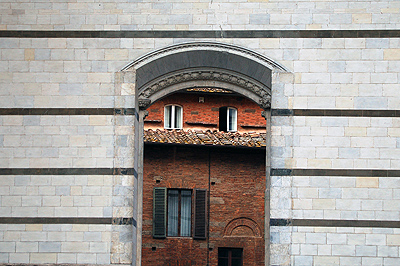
[179, 212]
[200, 216]
[172, 212]
[159, 212]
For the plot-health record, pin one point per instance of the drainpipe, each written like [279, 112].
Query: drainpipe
[208, 205]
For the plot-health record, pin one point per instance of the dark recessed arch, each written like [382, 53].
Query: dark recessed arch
[203, 59]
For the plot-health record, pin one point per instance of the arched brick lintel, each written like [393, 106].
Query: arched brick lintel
[243, 221]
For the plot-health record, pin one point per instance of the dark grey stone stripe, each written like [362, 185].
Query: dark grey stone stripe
[67, 111]
[131, 111]
[331, 112]
[68, 171]
[335, 172]
[67, 220]
[132, 171]
[203, 34]
[334, 223]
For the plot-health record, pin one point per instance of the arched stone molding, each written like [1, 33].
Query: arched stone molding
[209, 46]
[243, 222]
[202, 77]
[210, 64]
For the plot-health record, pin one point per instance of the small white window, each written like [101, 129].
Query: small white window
[232, 119]
[227, 119]
[173, 117]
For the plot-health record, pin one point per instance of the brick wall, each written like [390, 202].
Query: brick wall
[236, 181]
[205, 115]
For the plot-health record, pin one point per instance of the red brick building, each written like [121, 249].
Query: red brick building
[204, 180]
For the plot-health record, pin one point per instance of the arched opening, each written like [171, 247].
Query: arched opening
[197, 67]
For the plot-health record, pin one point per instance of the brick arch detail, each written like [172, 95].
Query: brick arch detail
[243, 221]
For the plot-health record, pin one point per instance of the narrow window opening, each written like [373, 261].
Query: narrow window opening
[227, 119]
[173, 117]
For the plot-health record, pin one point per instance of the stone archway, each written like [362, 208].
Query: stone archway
[197, 64]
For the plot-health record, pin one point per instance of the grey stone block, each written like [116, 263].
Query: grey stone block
[4, 257]
[71, 89]
[377, 43]
[337, 66]
[343, 250]
[303, 260]
[330, 193]
[275, 238]
[349, 153]
[22, 180]
[122, 140]
[31, 120]
[366, 251]
[259, 19]
[63, 190]
[49, 246]
[42, 54]
[291, 54]
[24, 101]
[163, 6]
[181, 19]
[92, 236]
[370, 102]
[99, 66]
[24, 247]
[50, 152]
[107, 211]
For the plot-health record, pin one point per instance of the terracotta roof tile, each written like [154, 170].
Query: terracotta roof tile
[200, 137]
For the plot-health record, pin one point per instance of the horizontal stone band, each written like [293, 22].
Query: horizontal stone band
[131, 111]
[202, 34]
[68, 171]
[68, 220]
[67, 111]
[335, 172]
[132, 171]
[334, 223]
[332, 112]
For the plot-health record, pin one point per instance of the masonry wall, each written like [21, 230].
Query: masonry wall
[235, 180]
[62, 201]
[338, 70]
[340, 74]
[199, 15]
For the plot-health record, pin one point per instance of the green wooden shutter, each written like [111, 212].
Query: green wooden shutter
[223, 122]
[159, 212]
[200, 214]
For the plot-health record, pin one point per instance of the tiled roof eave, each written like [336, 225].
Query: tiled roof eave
[205, 138]
[206, 145]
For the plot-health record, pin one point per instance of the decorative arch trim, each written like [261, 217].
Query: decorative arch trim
[243, 221]
[193, 63]
[202, 77]
[214, 46]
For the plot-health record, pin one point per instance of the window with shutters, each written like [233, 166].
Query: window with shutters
[230, 257]
[179, 212]
[172, 213]
[227, 119]
[173, 117]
